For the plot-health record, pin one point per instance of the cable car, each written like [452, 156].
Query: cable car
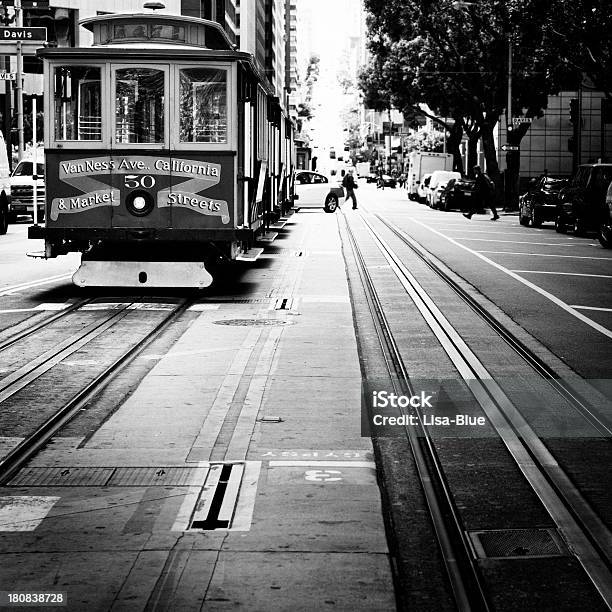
[165, 149]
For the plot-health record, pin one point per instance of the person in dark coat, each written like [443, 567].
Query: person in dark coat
[484, 192]
[348, 182]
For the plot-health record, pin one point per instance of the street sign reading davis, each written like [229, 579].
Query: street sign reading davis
[13, 35]
[30, 38]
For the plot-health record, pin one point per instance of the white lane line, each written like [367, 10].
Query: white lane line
[472, 231]
[40, 307]
[592, 308]
[511, 241]
[533, 254]
[336, 464]
[562, 274]
[554, 299]
[43, 281]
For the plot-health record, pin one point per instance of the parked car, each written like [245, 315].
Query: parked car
[371, 177]
[423, 187]
[388, 180]
[458, 194]
[22, 189]
[437, 183]
[605, 230]
[540, 203]
[315, 190]
[5, 188]
[582, 205]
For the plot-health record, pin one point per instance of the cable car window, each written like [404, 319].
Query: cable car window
[203, 105]
[143, 31]
[78, 103]
[139, 105]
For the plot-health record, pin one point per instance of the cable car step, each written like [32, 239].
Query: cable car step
[250, 255]
[268, 237]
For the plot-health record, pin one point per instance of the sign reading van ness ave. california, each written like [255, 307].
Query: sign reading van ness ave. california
[98, 182]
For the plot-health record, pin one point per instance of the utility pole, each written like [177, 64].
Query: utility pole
[19, 84]
[7, 113]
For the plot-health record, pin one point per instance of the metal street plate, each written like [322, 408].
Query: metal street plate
[12, 35]
[8, 76]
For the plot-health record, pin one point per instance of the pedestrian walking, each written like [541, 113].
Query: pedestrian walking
[380, 181]
[348, 182]
[484, 192]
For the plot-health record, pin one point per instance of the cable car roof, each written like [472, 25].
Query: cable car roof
[131, 29]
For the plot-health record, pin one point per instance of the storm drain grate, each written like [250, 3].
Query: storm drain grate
[157, 477]
[253, 322]
[217, 501]
[109, 477]
[62, 477]
[517, 543]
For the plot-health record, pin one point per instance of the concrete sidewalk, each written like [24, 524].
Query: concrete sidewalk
[270, 385]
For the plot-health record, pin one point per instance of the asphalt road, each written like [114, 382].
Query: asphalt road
[16, 268]
[557, 287]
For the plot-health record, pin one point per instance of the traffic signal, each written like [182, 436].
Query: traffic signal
[574, 111]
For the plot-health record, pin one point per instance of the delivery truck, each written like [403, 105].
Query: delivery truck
[363, 169]
[422, 163]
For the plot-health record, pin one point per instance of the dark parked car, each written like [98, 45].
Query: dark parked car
[540, 202]
[388, 180]
[583, 204]
[458, 194]
[605, 230]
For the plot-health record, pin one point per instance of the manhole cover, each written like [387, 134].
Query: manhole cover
[253, 322]
[517, 543]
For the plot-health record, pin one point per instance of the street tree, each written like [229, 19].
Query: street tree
[581, 31]
[453, 57]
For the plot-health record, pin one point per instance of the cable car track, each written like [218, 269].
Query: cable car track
[542, 369]
[461, 570]
[13, 339]
[587, 535]
[13, 461]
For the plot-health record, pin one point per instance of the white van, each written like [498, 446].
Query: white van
[439, 180]
[22, 188]
[5, 187]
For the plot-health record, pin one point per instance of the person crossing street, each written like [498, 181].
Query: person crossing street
[348, 182]
[484, 191]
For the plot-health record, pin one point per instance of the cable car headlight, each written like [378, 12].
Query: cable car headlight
[140, 203]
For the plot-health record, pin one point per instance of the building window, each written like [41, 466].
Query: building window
[203, 100]
[77, 102]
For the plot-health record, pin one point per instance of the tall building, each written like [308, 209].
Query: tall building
[262, 33]
[221, 11]
[292, 76]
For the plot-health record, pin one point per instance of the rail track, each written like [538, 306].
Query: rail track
[586, 535]
[13, 461]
